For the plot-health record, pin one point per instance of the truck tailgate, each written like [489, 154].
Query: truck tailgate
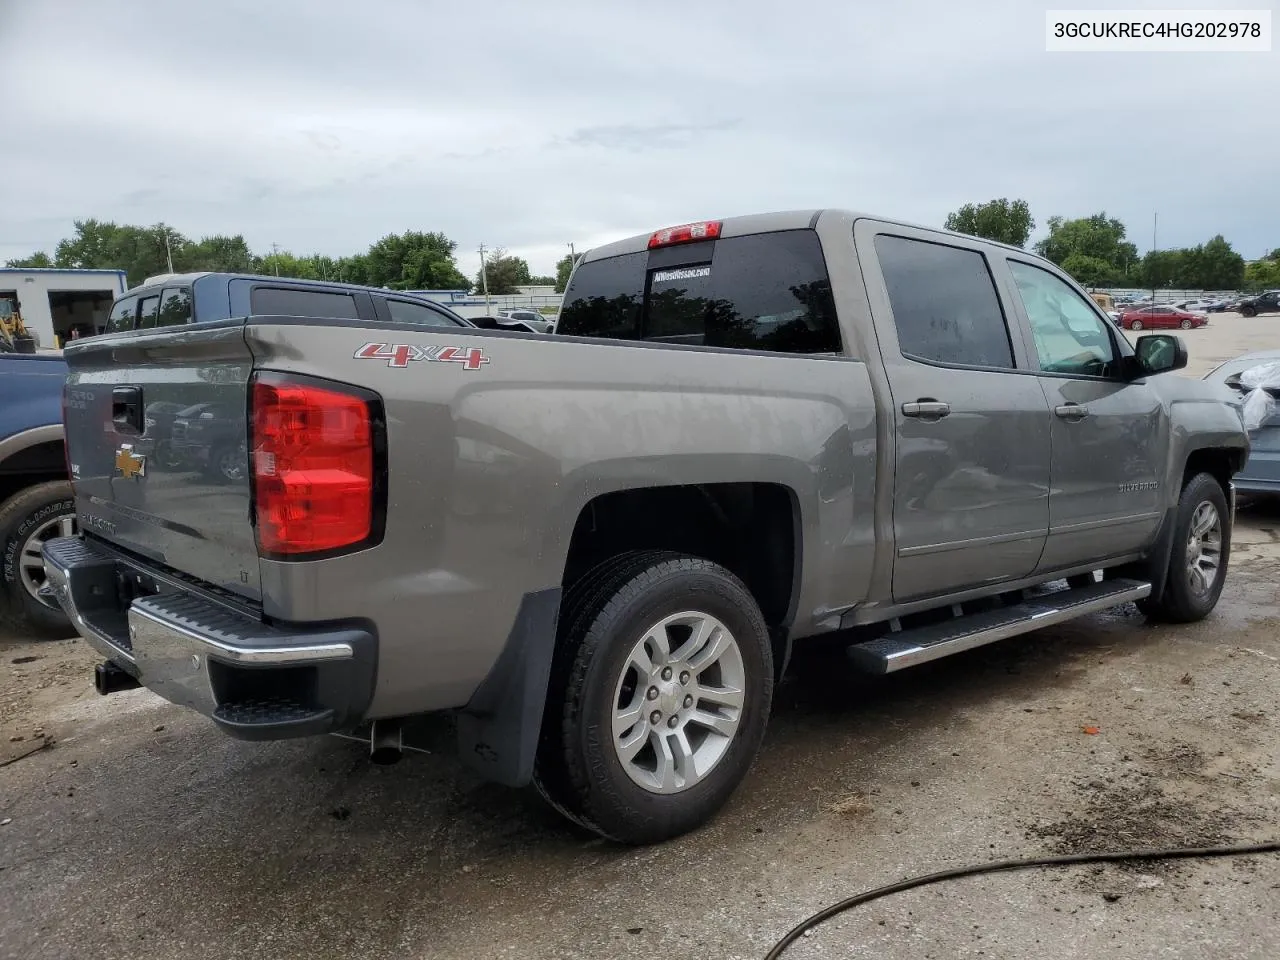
[156, 429]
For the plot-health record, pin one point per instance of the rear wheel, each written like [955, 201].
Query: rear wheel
[27, 520]
[659, 697]
[1135, 325]
[1198, 559]
[1248, 312]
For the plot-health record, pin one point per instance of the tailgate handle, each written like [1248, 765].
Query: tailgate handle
[126, 409]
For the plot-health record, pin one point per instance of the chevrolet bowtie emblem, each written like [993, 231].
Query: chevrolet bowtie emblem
[130, 464]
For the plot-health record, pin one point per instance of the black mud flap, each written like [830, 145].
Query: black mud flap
[498, 729]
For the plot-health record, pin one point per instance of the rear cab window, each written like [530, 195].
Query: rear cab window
[760, 291]
[286, 302]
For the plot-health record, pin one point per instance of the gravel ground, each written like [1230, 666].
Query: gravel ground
[135, 830]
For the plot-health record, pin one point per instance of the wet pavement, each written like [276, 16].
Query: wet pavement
[141, 832]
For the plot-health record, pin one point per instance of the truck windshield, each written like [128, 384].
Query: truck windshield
[763, 291]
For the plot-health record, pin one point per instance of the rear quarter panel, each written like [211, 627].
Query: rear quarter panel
[490, 468]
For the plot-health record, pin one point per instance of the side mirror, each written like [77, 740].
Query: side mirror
[1160, 353]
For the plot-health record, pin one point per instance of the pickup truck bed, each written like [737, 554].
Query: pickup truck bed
[597, 548]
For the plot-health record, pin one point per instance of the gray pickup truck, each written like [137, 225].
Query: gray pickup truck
[596, 549]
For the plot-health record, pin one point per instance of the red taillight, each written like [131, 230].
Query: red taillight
[313, 467]
[686, 233]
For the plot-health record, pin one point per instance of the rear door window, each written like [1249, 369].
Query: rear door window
[763, 291]
[123, 315]
[148, 308]
[283, 302]
[944, 303]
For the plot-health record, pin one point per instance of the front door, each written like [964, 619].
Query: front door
[971, 488]
[1109, 436]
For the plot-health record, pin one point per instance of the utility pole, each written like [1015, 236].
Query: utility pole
[1155, 227]
[275, 257]
[484, 280]
[168, 254]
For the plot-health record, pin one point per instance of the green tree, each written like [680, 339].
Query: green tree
[1213, 266]
[282, 263]
[1164, 268]
[36, 261]
[542, 281]
[1091, 271]
[1003, 220]
[1262, 274]
[217, 253]
[1099, 237]
[563, 268]
[504, 273]
[139, 251]
[413, 261]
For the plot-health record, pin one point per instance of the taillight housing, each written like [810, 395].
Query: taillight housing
[318, 466]
[685, 233]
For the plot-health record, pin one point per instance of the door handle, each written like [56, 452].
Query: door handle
[1071, 411]
[926, 409]
[126, 409]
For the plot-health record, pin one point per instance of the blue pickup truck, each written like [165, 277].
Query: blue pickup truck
[35, 494]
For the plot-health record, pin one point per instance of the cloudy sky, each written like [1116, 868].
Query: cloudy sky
[322, 125]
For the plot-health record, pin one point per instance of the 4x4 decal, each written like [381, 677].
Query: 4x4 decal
[400, 354]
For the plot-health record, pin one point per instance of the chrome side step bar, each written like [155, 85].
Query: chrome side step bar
[907, 648]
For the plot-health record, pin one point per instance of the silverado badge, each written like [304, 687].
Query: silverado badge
[130, 464]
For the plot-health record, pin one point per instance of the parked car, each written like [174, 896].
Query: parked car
[531, 318]
[1221, 306]
[1161, 318]
[1261, 472]
[1268, 302]
[500, 322]
[747, 434]
[35, 498]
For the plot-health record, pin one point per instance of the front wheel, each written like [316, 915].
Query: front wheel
[1198, 559]
[659, 697]
[1248, 312]
[1186, 324]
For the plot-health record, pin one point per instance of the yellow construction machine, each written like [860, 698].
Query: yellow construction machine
[14, 336]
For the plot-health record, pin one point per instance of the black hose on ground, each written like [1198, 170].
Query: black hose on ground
[1068, 860]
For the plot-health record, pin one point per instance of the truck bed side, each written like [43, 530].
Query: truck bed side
[491, 468]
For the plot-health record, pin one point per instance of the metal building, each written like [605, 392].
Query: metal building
[56, 302]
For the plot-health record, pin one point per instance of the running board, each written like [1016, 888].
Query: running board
[907, 648]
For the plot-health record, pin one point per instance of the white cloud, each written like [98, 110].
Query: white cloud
[321, 125]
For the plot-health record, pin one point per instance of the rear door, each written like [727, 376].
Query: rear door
[971, 487]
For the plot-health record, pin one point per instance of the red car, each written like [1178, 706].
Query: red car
[1161, 318]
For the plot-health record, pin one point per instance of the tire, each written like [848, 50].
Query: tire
[34, 514]
[1188, 598]
[1135, 324]
[1186, 324]
[611, 614]
[1248, 312]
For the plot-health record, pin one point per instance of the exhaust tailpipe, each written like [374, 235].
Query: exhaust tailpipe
[386, 743]
[109, 678]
